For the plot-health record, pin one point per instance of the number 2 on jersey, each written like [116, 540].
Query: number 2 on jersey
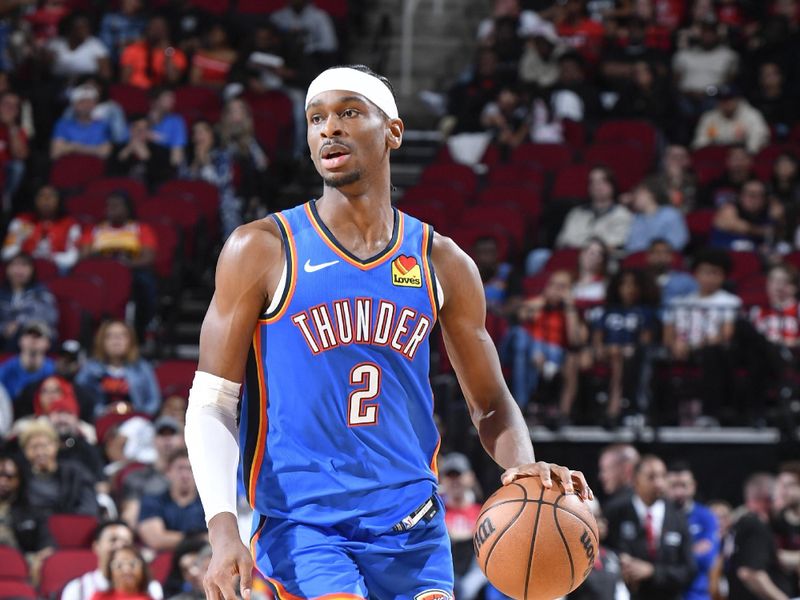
[361, 408]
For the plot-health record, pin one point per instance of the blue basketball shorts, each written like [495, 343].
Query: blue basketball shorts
[302, 561]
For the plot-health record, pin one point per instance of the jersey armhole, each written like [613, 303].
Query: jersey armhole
[434, 286]
[285, 288]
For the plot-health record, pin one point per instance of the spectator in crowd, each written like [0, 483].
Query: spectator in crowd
[573, 96]
[507, 119]
[615, 469]
[167, 128]
[56, 401]
[189, 566]
[681, 490]
[646, 96]
[773, 100]
[733, 121]
[312, 26]
[79, 53]
[468, 97]
[6, 412]
[738, 170]
[673, 283]
[141, 158]
[133, 243]
[605, 579]
[457, 487]
[54, 485]
[784, 183]
[129, 447]
[699, 327]
[165, 519]
[81, 133]
[548, 326]
[786, 523]
[237, 136]
[626, 326]
[707, 65]
[501, 284]
[753, 569]
[675, 179]
[539, 62]
[20, 526]
[108, 537]
[651, 537]
[207, 161]
[212, 62]
[779, 320]
[106, 110]
[14, 148]
[174, 406]
[589, 288]
[122, 27]
[153, 60]
[128, 576]
[579, 31]
[23, 300]
[527, 20]
[187, 21]
[654, 219]
[750, 223]
[31, 363]
[786, 479]
[47, 232]
[117, 374]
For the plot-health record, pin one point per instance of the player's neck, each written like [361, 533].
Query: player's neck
[370, 213]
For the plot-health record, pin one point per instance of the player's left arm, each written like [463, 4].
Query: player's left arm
[496, 416]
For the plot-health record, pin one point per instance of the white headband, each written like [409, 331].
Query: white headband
[351, 80]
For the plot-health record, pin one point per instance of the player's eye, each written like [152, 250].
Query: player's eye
[315, 119]
[350, 112]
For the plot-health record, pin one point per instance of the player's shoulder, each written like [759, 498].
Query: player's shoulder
[448, 254]
[254, 246]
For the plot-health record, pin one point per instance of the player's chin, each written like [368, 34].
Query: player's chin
[338, 180]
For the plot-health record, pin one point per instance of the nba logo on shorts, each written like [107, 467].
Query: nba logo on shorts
[433, 595]
[406, 272]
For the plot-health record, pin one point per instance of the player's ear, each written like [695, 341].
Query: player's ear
[394, 133]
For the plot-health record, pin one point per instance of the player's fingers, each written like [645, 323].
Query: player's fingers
[246, 577]
[579, 480]
[226, 588]
[544, 472]
[210, 589]
[509, 476]
[564, 476]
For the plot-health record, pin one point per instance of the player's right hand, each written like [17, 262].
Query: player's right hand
[229, 558]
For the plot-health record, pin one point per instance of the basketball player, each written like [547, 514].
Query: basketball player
[326, 310]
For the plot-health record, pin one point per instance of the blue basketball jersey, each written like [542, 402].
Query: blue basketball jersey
[337, 411]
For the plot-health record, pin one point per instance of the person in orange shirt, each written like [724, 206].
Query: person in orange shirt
[134, 244]
[153, 60]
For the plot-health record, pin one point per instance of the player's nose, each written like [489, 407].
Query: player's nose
[333, 126]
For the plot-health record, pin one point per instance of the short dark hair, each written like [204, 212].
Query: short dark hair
[679, 466]
[146, 578]
[382, 78]
[106, 524]
[714, 257]
[646, 458]
[177, 455]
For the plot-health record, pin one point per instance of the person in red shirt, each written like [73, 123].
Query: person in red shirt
[212, 62]
[13, 146]
[46, 233]
[779, 320]
[128, 574]
[134, 244]
[579, 31]
[153, 60]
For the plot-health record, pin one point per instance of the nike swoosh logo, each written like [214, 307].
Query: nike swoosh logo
[309, 268]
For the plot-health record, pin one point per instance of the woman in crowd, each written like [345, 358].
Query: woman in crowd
[23, 300]
[212, 62]
[117, 374]
[128, 575]
[47, 232]
[590, 285]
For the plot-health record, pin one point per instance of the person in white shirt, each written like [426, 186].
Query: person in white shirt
[109, 536]
[314, 25]
[709, 64]
[79, 53]
[699, 328]
[732, 121]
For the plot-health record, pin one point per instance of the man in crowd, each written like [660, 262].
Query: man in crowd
[32, 363]
[681, 489]
[615, 470]
[81, 134]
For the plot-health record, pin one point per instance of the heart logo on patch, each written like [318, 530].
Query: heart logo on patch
[406, 263]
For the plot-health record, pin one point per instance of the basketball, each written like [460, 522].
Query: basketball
[533, 543]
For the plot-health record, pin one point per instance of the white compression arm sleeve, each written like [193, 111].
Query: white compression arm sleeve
[211, 439]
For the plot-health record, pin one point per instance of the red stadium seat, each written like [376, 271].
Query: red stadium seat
[629, 162]
[167, 248]
[744, 265]
[10, 588]
[204, 194]
[273, 104]
[638, 260]
[526, 200]
[116, 278]
[215, 7]
[12, 564]
[74, 171]
[450, 198]
[710, 155]
[460, 176]
[62, 566]
[626, 131]
[90, 293]
[132, 99]
[793, 258]
[507, 217]
[258, 7]
[571, 182]
[46, 270]
[196, 102]
[161, 566]
[515, 174]
[72, 531]
[104, 186]
[699, 223]
[534, 284]
[563, 259]
[548, 157]
[183, 213]
[72, 319]
[175, 376]
[428, 212]
[87, 209]
[335, 8]
[466, 237]
[574, 133]
[753, 290]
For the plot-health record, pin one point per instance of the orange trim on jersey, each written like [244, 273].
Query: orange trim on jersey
[261, 440]
[284, 595]
[426, 240]
[434, 465]
[254, 541]
[292, 272]
[385, 254]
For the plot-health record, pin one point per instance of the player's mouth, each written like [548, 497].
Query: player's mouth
[334, 155]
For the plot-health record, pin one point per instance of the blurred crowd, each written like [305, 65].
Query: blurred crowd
[626, 175]
[659, 538]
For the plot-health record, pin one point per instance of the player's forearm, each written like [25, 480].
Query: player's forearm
[504, 434]
[760, 585]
